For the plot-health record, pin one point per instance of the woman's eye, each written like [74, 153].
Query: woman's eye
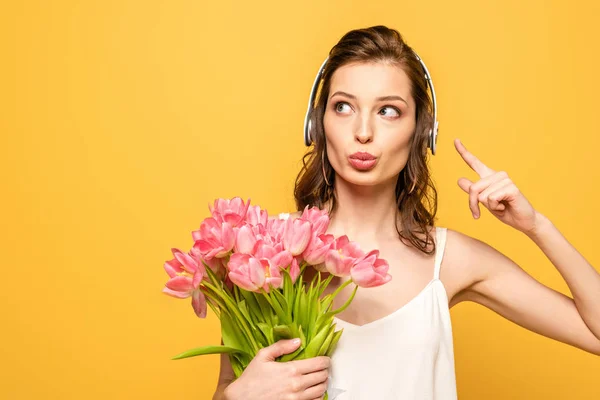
[339, 107]
[392, 111]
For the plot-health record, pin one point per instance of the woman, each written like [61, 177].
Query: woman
[368, 169]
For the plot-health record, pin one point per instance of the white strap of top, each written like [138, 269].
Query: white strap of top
[440, 244]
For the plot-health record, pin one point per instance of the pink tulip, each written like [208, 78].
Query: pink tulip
[370, 271]
[231, 211]
[343, 255]
[296, 235]
[185, 281]
[294, 270]
[215, 264]
[277, 258]
[246, 271]
[272, 274]
[214, 239]
[275, 229]
[255, 216]
[318, 248]
[276, 254]
[245, 240]
[318, 218]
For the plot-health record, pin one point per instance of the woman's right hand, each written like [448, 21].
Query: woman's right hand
[267, 379]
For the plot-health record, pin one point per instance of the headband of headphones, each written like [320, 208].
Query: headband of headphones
[308, 138]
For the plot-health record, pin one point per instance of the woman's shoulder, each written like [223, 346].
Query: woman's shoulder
[465, 244]
[467, 259]
[461, 248]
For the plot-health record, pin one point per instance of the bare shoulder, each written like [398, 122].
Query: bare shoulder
[463, 265]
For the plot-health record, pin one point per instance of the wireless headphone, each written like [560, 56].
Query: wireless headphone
[308, 137]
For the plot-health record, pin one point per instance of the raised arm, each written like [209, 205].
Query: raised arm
[501, 285]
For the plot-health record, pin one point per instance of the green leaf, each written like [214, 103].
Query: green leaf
[296, 312]
[303, 310]
[324, 284]
[315, 344]
[244, 310]
[253, 306]
[276, 306]
[288, 291]
[267, 332]
[238, 363]
[265, 307]
[312, 300]
[200, 351]
[283, 303]
[282, 332]
[323, 350]
[211, 275]
[234, 312]
[299, 352]
[334, 341]
[232, 336]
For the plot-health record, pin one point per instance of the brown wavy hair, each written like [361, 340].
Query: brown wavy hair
[416, 195]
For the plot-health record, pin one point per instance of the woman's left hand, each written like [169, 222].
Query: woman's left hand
[497, 192]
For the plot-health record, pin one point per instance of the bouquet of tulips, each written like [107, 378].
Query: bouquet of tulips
[248, 268]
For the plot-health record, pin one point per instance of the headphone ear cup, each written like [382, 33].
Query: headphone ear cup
[432, 141]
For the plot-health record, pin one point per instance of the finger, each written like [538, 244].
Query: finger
[277, 349]
[312, 379]
[311, 364]
[505, 193]
[474, 202]
[472, 161]
[315, 392]
[486, 182]
[478, 187]
[465, 184]
[484, 196]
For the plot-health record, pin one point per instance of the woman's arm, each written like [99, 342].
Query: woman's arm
[501, 285]
[583, 280]
[226, 376]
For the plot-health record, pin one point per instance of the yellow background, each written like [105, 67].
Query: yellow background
[122, 120]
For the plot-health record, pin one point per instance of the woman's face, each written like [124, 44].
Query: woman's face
[369, 110]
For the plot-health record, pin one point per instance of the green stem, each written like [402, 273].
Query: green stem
[347, 303]
[235, 311]
[267, 296]
[339, 289]
[214, 297]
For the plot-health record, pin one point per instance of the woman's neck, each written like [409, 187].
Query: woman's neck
[362, 212]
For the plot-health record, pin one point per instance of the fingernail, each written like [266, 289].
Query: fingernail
[296, 341]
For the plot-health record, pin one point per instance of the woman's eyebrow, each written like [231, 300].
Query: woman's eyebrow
[383, 98]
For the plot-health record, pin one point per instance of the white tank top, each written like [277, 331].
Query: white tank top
[406, 355]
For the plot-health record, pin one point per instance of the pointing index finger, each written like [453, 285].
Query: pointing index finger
[472, 161]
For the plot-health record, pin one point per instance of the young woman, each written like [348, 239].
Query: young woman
[368, 169]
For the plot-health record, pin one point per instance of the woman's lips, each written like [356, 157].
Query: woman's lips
[362, 165]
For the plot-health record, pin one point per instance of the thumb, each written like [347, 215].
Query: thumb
[280, 348]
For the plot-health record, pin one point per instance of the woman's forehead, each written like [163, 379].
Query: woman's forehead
[371, 80]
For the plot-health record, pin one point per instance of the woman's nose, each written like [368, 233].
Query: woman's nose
[364, 130]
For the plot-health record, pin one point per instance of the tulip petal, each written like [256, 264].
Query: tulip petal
[173, 293]
[199, 303]
[186, 261]
[180, 284]
[173, 267]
